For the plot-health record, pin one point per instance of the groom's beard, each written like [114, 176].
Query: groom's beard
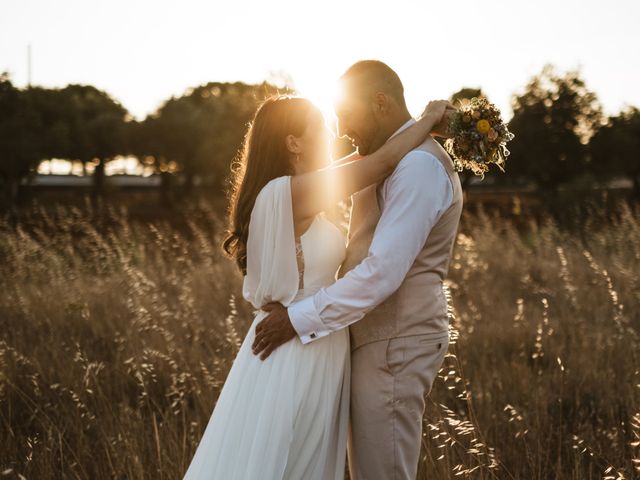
[376, 139]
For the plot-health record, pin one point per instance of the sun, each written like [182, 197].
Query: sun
[323, 93]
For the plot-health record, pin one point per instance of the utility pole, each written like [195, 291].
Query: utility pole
[29, 65]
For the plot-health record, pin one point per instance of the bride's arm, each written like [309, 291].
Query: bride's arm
[317, 191]
[349, 158]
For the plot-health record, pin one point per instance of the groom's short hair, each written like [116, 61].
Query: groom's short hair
[371, 76]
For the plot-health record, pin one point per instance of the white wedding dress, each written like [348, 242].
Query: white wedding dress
[284, 417]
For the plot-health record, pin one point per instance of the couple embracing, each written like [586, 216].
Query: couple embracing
[349, 333]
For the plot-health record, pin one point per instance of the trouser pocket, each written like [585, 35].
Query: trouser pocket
[425, 350]
[395, 354]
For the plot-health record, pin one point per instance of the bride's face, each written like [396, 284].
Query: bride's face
[314, 145]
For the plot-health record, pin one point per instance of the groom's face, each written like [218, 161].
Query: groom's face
[356, 120]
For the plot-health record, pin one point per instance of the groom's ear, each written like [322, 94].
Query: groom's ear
[381, 103]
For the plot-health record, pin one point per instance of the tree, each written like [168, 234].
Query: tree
[145, 140]
[202, 131]
[552, 122]
[96, 124]
[615, 148]
[54, 133]
[20, 147]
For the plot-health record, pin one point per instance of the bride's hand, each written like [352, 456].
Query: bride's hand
[439, 111]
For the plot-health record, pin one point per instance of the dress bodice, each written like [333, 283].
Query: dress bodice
[321, 251]
[280, 267]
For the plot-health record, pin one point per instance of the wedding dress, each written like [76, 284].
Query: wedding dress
[284, 417]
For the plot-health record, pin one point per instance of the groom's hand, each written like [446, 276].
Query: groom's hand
[274, 330]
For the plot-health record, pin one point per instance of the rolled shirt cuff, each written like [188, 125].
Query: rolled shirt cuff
[306, 321]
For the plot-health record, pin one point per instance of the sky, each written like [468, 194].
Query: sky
[143, 52]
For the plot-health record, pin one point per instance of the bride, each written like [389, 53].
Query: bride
[286, 417]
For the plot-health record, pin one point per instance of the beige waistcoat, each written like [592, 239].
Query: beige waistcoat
[419, 306]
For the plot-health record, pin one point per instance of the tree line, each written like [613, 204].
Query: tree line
[194, 135]
[562, 138]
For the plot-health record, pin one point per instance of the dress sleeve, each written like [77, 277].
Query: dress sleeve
[272, 268]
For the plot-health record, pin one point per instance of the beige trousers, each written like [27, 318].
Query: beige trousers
[389, 382]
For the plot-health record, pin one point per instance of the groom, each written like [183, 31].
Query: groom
[390, 287]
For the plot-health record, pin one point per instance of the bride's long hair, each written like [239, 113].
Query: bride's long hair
[264, 156]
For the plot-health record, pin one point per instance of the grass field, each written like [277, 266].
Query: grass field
[116, 337]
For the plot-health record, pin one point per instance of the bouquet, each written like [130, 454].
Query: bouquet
[478, 137]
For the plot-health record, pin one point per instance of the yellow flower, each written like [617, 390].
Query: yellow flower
[483, 126]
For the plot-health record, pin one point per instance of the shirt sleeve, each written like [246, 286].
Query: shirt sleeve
[414, 197]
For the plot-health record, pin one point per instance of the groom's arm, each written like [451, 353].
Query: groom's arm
[415, 196]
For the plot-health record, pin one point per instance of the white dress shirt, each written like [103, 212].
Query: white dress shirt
[414, 197]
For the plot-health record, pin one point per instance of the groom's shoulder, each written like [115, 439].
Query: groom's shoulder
[431, 151]
[413, 170]
[424, 157]
[422, 163]
[432, 146]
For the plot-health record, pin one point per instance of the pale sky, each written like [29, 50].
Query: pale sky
[143, 51]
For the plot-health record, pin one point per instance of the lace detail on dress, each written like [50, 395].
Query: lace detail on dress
[300, 260]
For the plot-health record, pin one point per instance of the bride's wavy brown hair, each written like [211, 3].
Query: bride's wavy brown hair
[264, 156]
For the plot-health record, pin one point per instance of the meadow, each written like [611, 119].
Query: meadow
[116, 337]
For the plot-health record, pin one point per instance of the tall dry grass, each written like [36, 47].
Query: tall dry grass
[116, 337]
